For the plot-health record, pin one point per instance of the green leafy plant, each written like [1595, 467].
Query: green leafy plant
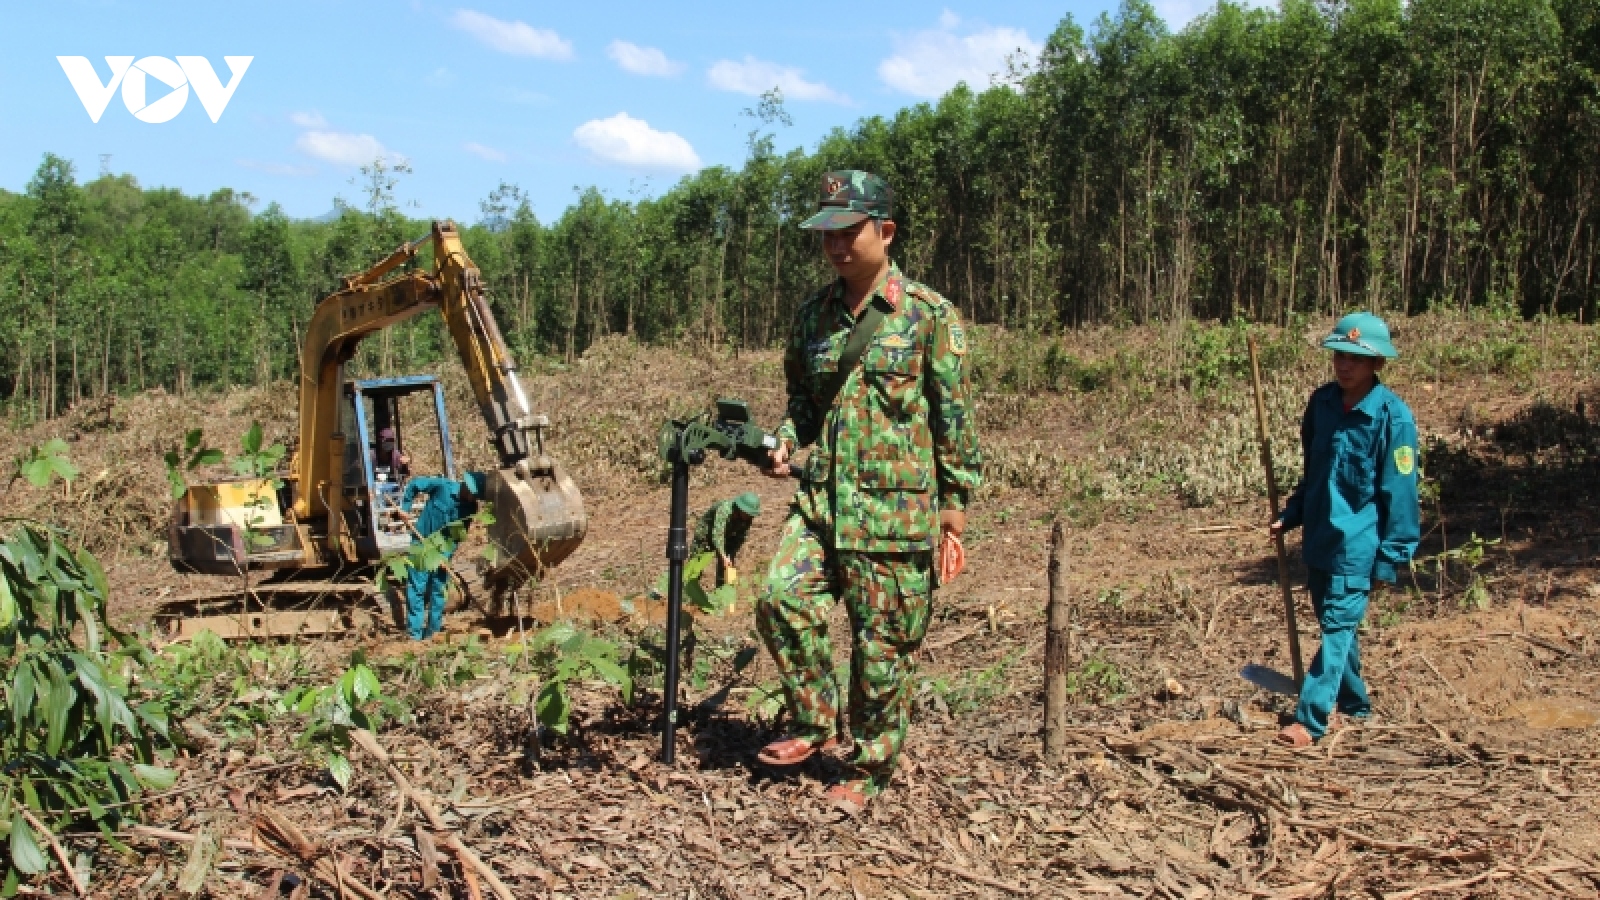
[562, 654]
[1471, 556]
[447, 664]
[427, 554]
[765, 701]
[970, 689]
[259, 464]
[1098, 680]
[74, 746]
[1397, 605]
[193, 455]
[711, 602]
[355, 700]
[234, 681]
[183, 674]
[45, 461]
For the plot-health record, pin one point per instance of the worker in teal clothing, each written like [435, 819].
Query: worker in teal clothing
[1358, 505]
[449, 501]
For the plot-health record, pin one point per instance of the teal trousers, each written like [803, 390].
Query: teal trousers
[425, 597]
[1334, 679]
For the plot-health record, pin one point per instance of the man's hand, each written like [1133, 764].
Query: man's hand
[779, 458]
[953, 521]
[1275, 529]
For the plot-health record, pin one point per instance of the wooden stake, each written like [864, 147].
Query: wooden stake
[1057, 649]
[1272, 499]
[469, 860]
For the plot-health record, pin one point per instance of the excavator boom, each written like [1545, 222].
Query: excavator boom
[538, 511]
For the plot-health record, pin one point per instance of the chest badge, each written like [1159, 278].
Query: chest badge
[894, 341]
[1405, 460]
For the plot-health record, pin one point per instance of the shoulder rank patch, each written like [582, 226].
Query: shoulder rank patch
[1405, 460]
[958, 337]
[891, 293]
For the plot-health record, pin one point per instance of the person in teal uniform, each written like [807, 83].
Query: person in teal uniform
[449, 501]
[1357, 504]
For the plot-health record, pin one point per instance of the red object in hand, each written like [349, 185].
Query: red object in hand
[952, 557]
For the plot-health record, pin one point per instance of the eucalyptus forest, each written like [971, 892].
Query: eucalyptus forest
[1258, 164]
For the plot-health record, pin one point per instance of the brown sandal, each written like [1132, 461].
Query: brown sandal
[792, 751]
[846, 798]
[1295, 736]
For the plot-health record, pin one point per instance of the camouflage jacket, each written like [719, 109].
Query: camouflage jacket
[718, 530]
[899, 442]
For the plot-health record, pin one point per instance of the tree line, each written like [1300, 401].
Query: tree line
[1258, 163]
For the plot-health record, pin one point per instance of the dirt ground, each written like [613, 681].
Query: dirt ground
[1476, 776]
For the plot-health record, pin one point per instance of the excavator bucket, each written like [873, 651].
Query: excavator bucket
[538, 520]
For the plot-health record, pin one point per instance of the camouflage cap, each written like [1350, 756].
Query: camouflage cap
[848, 196]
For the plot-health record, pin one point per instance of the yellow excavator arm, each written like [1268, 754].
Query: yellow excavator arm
[538, 511]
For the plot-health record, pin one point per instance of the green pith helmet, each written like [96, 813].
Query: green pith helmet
[1361, 334]
[848, 196]
[748, 503]
[475, 482]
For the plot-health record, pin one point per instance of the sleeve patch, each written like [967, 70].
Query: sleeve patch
[1405, 460]
[958, 338]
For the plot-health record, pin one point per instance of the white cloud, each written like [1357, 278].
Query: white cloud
[308, 119]
[929, 63]
[483, 151]
[627, 141]
[1179, 13]
[342, 147]
[642, 60]
[515, 38]
[276, 168]
[756, 76]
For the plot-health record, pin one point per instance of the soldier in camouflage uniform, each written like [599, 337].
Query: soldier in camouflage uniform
[894, 459]
[722, 529]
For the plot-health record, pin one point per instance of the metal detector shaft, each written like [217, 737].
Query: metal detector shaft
[677, 552]
[1272, 498]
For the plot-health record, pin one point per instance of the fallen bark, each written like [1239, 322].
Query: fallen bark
[369, 742]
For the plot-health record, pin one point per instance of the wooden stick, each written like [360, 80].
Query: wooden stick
[1272, 498]
[177, 837]
[1057, 649]
[980, 879]
[369, 743]
[430, 858]
[55, 846]
[1449, 885]
[329, 870]
[151, 798]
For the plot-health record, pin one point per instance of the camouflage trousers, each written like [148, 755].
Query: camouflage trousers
[888, 597]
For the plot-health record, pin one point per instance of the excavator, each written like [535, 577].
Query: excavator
[336, 511]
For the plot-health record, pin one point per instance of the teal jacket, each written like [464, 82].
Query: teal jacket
[1358, 499]
[448, 501]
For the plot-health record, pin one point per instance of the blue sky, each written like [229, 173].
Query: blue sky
[626, 97]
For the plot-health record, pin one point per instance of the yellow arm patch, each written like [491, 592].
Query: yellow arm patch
[1405, 460]
[955, 336]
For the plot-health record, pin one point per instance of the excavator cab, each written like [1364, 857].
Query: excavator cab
[381, 449]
